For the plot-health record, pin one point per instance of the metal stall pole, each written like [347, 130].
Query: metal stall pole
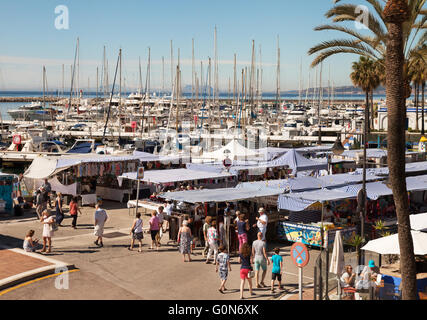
[137, 197]
[321, 251]
[315, 284]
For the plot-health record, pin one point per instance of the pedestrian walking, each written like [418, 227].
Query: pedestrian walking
[154, 229]
[184, 240]
[223, 264]
[242, 227]
[212, 235]
[160, 215]
[29, 242]
[47, 221]
[262, 222]
[58, 209]
[260, 259]
[206, 226]
[48, 189]
[74, 210]
[245, 268]
[276, 272]
[136, 232]
[100, 218]
[39, 203]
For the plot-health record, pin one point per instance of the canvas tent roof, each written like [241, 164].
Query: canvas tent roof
[418, 221]
[301, 201]
[220, 195]
[409, 168]
[377, 189]
[297, 162]
[390, 244]
[173, 175]
[237, 151]
[45, 166]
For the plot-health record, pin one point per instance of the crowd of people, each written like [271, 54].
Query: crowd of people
[52, 222]
[216, 248]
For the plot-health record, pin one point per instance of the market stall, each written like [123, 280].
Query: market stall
[311, 206]
[6, 190]
[86, 176]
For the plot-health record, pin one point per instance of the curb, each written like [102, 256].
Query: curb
[35, 273]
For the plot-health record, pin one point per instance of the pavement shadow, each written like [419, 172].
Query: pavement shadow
[77, 251]
[11, 242]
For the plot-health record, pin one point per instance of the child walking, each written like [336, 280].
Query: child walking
[223, 262]
[213, 242]
[276, 272]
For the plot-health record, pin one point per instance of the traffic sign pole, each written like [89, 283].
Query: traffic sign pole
[139, 176]
[300, 282]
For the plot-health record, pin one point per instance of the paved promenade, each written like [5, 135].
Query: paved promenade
[113, 272]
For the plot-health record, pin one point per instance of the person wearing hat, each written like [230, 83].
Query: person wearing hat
[371, 271]
[262, 221]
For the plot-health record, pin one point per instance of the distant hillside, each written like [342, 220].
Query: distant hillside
[344, 90]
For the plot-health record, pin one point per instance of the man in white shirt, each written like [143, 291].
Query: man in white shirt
[168, 213]
[262, 221]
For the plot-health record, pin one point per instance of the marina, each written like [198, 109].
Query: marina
[155, 161]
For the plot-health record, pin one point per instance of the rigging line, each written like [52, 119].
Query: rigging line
[111, 96]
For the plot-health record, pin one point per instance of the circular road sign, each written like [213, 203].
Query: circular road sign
[299, 254]
[227, 162]
[140, 173]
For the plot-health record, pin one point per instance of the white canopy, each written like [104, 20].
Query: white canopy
[418, 221]
[235, 151]
[297, 162]
[173, 175]
[379, 189]
[220, 195]
[301, 201]
[390, 244]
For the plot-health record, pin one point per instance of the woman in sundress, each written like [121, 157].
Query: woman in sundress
[184, 240]
[47, 221]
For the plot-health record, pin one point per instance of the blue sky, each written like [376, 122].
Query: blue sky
[30, 40]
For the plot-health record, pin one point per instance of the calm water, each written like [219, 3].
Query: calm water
[14, 105]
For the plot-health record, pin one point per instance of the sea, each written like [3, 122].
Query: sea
[5, 106]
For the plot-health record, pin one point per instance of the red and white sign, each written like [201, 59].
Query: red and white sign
[17, 139]
[227, 162]
[140, 173]
[299, 254]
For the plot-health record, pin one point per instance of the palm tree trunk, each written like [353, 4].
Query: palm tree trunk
[396, 153]
[423, 87]
[416, 105]
[371, 122]
[366, 120]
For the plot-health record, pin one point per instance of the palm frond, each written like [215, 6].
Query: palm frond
[333, 51]
[374, 43]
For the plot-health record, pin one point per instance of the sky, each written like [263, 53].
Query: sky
[30, 40]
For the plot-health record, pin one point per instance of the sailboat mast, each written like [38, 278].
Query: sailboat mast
[235, 81]
[319, 106]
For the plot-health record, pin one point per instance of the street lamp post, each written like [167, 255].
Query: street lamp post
[337, 149]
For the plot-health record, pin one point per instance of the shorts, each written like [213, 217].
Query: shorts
[153, 234]
[138, 236]
[244, 273]
[276, 276]
[261, 263]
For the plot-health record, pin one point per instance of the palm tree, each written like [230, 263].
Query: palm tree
[417, 66]
[365, 75]
[396, 14]
[373, 43]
